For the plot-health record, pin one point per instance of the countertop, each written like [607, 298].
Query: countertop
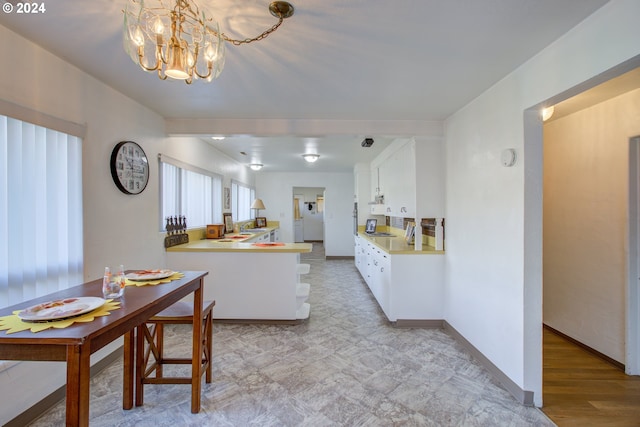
[397, 245]
[236, 242]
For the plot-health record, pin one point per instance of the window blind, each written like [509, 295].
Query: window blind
[189, 191]
[40, 211]
[242, 197]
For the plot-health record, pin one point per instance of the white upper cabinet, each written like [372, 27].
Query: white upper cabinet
[411, 178]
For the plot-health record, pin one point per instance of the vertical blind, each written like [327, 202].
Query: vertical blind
[242, 197]
[191, 192]
[40, 211]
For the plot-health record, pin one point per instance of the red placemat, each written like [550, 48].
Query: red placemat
[267, 244]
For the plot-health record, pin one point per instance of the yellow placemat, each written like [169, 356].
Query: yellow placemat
[13, 323]
[175, 276]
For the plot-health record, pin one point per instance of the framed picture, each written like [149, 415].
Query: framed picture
[261, 222]
[228, 223]
[409, 232]
[227, 198]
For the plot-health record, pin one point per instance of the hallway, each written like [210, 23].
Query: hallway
[345, 366]
[580, 389]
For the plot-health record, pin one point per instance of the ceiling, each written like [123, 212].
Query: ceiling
[370, 60]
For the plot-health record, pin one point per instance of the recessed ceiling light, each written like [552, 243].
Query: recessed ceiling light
[256, 166]
[218, 138]
[311, 157]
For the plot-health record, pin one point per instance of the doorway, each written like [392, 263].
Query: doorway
[590, 251]
[308, 214]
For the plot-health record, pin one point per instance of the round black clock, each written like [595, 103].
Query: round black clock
[129, 167]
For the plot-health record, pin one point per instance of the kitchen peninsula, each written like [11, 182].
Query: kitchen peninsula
[251, 278]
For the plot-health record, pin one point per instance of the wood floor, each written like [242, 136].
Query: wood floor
[580, 389]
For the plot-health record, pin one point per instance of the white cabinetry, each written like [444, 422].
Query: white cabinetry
[380, 277]
[386, 181]
[411, 177]
[377, 209]
[406, 286]
[269, 236]
[361, 255]
[400, 190]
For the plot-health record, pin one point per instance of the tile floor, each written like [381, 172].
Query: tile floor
[345, 366]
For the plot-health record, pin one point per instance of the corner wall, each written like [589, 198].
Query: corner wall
[493, 261]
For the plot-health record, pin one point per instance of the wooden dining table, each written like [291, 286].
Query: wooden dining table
[75, 344]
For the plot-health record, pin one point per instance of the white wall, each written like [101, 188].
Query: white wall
[118, 228]
[276, 190]
[493, 260]
[586, 177]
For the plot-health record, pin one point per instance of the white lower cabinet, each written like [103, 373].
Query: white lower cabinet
[406, 286]
[264, 237]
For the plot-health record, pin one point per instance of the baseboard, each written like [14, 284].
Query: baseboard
[260, 321]
[588, 349]
[52, 399]
[339, 257]
[523, 396]
[419, 323]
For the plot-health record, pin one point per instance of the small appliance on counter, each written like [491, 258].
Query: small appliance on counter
[215, 231]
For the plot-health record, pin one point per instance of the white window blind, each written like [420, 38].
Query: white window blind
[40, 211]
[242, 197]
[189, 191]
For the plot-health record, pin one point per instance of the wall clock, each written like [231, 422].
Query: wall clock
[129, 167]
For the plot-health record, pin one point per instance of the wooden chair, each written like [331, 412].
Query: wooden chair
[150, 357]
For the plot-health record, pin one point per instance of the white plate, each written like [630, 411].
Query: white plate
[59, 309]
[149, 274]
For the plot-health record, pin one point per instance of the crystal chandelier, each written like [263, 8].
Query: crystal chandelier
[181, 40]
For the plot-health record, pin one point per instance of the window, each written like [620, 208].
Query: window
[189, 191]
[241, 198]
[40, 211]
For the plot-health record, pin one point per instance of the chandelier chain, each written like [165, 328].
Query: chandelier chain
[253, 39]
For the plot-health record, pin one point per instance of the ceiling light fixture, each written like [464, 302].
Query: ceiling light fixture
[547, 113]
[311, 157]
[218, 138]
[182, 41]
[256, 167]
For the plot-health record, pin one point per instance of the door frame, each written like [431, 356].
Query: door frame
[632, 348]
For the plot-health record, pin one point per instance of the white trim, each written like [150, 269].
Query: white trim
[28, 115]
[632, 349]
[186, 166]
